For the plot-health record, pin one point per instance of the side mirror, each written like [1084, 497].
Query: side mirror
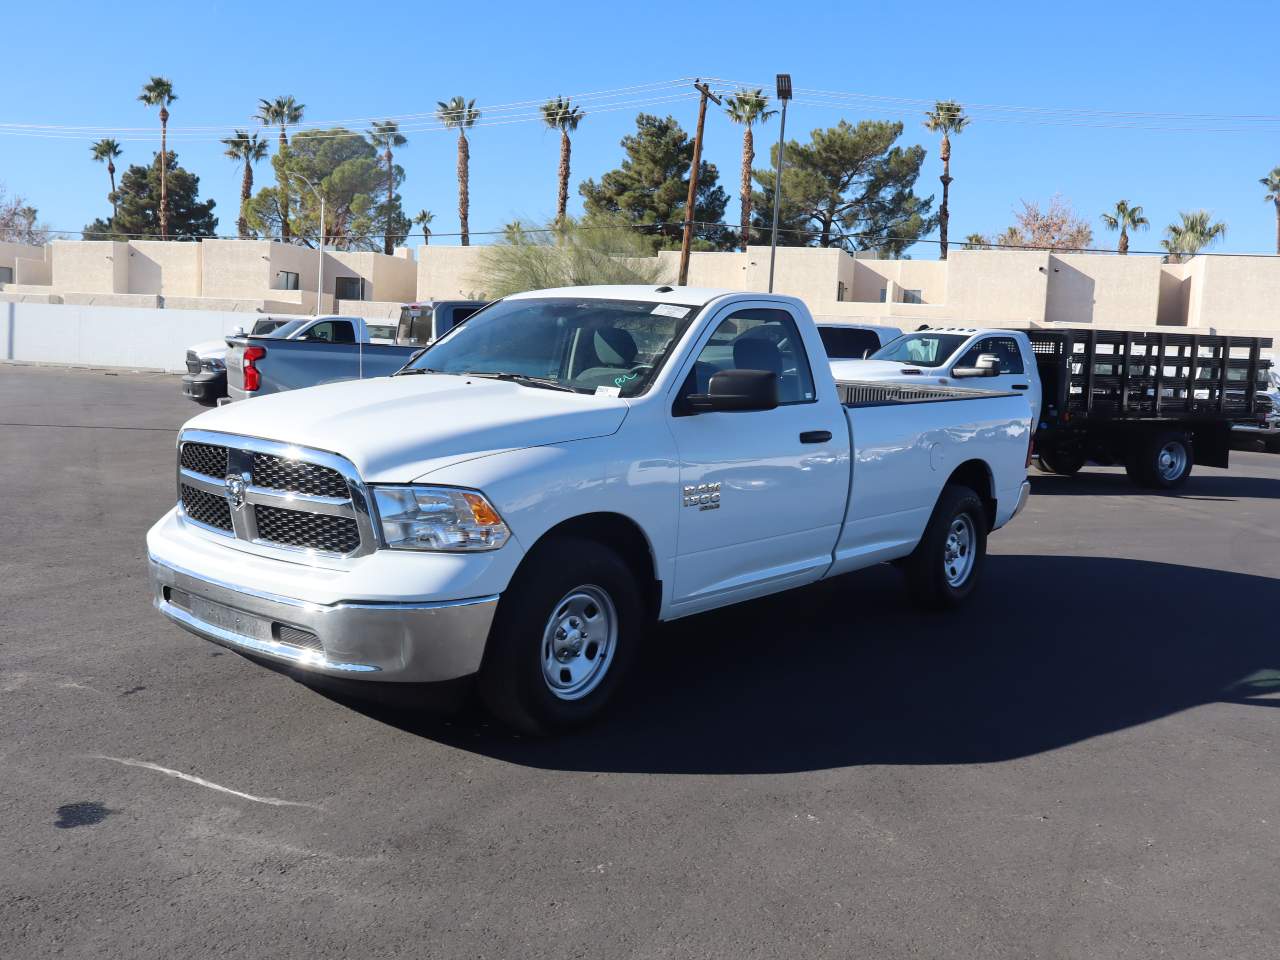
[736, 390]
[988, 366]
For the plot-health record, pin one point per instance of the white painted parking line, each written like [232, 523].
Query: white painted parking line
[200, 781]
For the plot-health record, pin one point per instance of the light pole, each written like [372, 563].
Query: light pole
[320, 273]
[784, 94]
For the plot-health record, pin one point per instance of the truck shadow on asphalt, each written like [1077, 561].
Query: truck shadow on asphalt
[1051, 651]
[1092, 482]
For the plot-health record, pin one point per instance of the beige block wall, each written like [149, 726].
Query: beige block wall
[1102, 291]
[36, 270]
[1238, 292]
[1175, 292]
[997, 287]
[166, 268]
[13, 253]
[449, 273]
[234, 269]
[90, 266]
[706, 269]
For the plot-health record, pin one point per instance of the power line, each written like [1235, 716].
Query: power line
[704, 227]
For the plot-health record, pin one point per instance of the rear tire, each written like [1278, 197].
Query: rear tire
[945, 567]
[563, 637]
[1162, 460]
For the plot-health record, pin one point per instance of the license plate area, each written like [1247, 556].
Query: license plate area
[221, 616]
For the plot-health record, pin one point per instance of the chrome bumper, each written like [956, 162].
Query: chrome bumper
[1269, 429]
[404, 642]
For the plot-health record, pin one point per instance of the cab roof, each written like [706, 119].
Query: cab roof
[659, 293]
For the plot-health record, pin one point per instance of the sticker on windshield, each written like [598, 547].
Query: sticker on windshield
[670, 310]
[608, 391]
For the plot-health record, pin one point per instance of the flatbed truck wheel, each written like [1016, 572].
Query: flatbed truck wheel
[1062, 462]
[1161, 460]
[944, 568]
[564, 634]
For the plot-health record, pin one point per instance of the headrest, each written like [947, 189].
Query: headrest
[757, 353]
[614, 347]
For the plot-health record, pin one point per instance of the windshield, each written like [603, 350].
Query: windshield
[923, 349]
[264, 327]
[290, 328]
[588, 346]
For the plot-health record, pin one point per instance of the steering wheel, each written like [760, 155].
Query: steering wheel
[635, 373]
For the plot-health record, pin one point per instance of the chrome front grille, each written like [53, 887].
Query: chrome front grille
[296, 528]
[273, 495]
[206, 508]
[205, 458]
[297, 476]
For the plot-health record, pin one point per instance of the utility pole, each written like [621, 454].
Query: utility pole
[784, 94]
[703, 89]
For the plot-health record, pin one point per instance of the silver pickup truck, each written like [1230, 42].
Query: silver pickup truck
[344, 349]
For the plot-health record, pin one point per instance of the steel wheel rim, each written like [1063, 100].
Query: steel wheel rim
[958, 550]
[1172, 460]
[578, 642]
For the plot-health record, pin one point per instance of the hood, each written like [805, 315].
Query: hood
[883, 370]
[395, 429]
[209, 349]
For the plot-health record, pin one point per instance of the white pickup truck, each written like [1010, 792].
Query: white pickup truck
[553, 475]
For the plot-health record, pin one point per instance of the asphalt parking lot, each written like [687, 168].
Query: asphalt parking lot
[1083, 763]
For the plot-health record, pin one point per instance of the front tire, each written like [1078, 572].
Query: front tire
[945, 567]
[563, 637]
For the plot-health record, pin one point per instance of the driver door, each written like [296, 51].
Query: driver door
[762, 492]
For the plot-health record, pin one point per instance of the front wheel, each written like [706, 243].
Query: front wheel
[564, 634]
[944, 568]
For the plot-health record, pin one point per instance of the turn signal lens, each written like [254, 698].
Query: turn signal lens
[443, 519]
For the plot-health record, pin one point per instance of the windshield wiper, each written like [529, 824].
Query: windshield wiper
[410, 370]
[524, 380]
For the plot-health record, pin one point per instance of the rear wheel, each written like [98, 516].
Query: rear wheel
[564, 634]
[1162, 460]
[946, 564]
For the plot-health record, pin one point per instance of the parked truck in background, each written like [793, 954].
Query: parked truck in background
[522, 500]
[1155, 403]
[348, 351]
[206, 377]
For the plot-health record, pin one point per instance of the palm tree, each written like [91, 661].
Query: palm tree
[460, 114]
[423, 219]
[281, 112]
[1272, 182]
[748, 107]
[159, 93]
[947, 117]
[385, 135]
[247, 148]
[560, 114]
[1124, 219]
[107, 151]
[1193, 234]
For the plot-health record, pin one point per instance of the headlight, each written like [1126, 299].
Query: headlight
[438, 518]
[213, 364]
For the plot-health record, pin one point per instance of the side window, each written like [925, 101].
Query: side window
[1006, 348]
[848, 344]
[343, 332]
[757, 340]
[321, 331]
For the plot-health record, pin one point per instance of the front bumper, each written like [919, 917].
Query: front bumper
[206, 386]
[1271, 428]
[369, 640]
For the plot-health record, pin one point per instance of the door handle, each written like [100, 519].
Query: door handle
[815, 436]
[1021, 386]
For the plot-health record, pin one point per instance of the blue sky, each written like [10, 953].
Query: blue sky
[82, 64]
